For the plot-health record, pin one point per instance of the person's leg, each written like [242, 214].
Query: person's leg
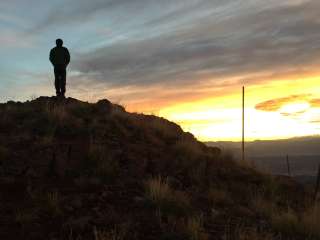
[57, 81]
[63, 81]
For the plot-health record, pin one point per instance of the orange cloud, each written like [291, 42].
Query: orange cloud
[315, 103]
[276, 104]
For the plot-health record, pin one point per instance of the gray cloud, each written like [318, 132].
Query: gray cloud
[275, 39]
[186, 43]
[80, 11]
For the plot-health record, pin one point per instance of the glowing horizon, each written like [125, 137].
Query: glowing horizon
[282, 111]
[185, 60]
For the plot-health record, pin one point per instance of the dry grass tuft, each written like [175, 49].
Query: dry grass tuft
[4, 152]
[218, 196]
[100, 163]
[253, 234]
[263, 206]
[165, 198]
[23, 216]
[113, 234]
[53, 203]
[311, 221]
[158, 189]
[58, 112]
[164, 128]
[194, 228]
[285, 222]
[188, 148]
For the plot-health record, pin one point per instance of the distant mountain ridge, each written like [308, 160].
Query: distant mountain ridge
[303, 153]
[294, 146]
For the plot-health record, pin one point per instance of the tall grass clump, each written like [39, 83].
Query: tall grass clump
[188, 148]
[218, 197]
[168, 200]
[262, 206]
[158, 190]
[285, 222]
[24, 216]
[58, 113]
[311, 221]
[52, 203]
[194, 228]
[164, 129]
[252, 234]
[100, 163]
[113, 234]
[4, 152]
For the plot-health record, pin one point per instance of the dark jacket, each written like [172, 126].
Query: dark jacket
[59, 57]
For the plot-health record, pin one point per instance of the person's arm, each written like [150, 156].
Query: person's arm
[67, 56]
[51, 56]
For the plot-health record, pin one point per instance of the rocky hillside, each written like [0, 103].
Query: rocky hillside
[74, 170]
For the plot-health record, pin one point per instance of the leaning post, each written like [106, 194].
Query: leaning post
[243, 153]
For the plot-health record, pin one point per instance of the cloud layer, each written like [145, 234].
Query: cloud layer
[238, 40]
[190, 47]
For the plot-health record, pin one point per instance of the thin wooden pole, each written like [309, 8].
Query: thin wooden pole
[243, 92]
[288, 166]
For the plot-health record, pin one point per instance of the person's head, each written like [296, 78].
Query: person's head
[59, 42]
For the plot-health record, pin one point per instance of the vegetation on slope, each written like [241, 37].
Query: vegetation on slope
[74, 170]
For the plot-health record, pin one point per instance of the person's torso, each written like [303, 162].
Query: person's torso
[59, 55]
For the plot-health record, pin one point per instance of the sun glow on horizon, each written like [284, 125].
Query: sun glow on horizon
[288, 114]
[297, 107]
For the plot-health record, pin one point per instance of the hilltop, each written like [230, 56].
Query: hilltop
[75, 170]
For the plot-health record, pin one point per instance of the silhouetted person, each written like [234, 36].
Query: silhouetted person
[60, 58]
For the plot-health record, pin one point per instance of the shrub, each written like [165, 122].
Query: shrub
[113, 234]
[52, 203]
[271, 188]
[164, 128]
[218, 196]
[198, 172]
[311, 221]
[262, 206]
[194, 229]
[23, 216]
[285, 222]
[58, 113]
[82, 110]
[4, 152]
[166, 199]
[118, 112]
[267, 197]
[158, 190]
[100, 163]
[188, 148]
[252, 234]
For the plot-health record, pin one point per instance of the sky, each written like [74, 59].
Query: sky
[185, 60]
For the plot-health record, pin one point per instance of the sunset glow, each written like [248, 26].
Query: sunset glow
[185, 60]
[219, 118]
[292, 108]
